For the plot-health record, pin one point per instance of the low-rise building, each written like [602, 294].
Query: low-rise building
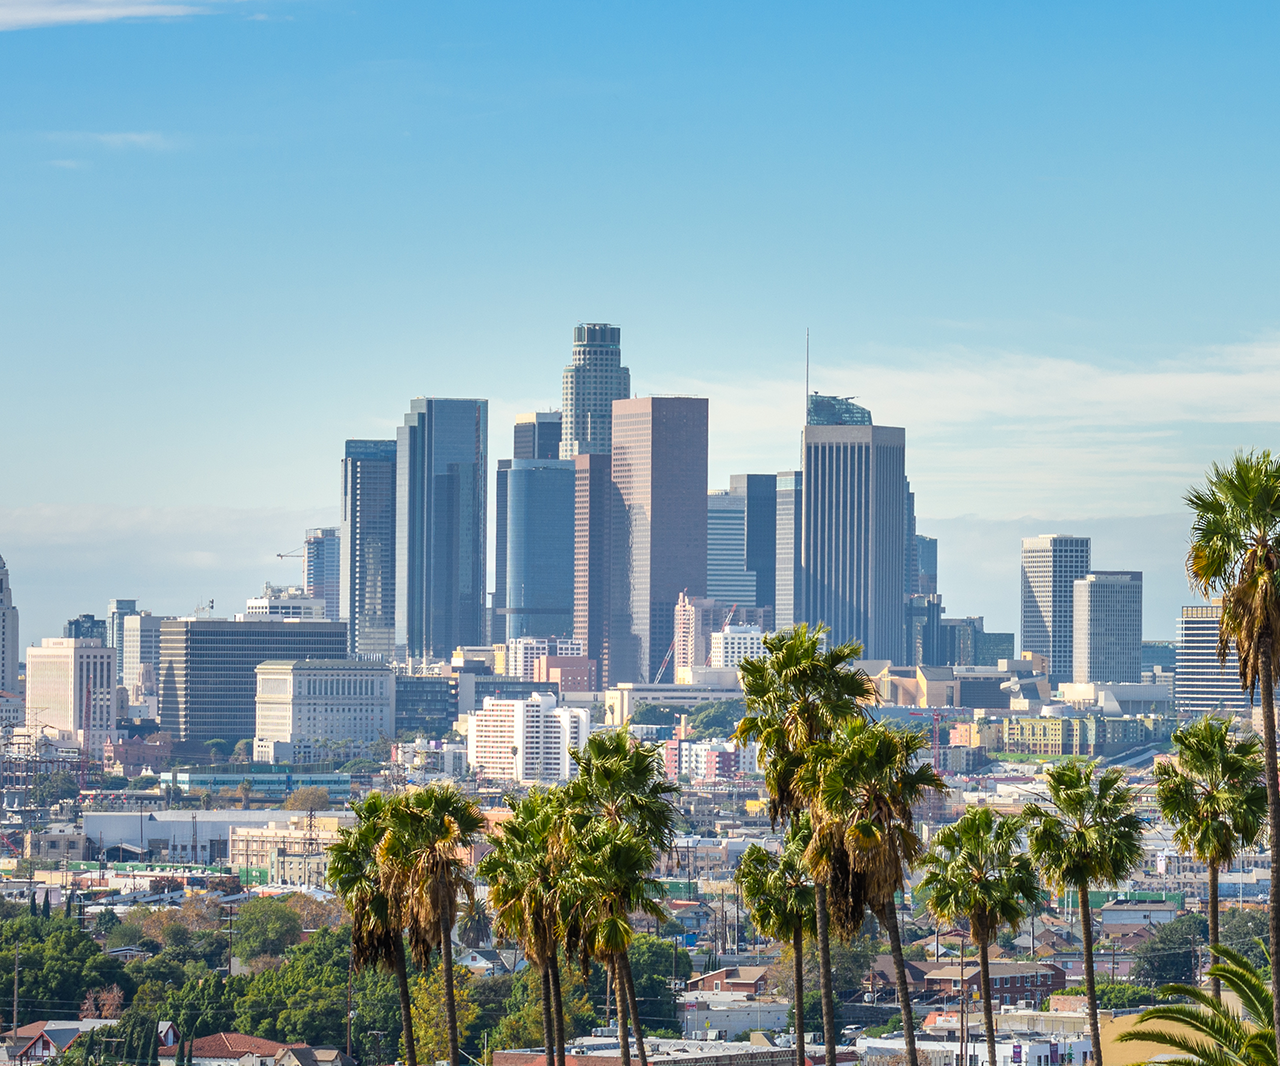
[1011, 982]
[131, 756]
[310, 709]
[293, 850]
[753, 979]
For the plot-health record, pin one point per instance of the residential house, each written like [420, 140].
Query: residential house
[1010, 981]
[753, 979]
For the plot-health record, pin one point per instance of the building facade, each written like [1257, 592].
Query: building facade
[540, 548]
[523, 653]
[761, 494]
[1051, 565]
[697, 618]
[86, 627]
[1201, 685]
[788, 584]
[537, 435]
[441, 514]
[71, 688]
[291, 601]
[728, 578]
[594, 496]
[1107, 629]
[141, 646]
[324, 569]
[9, 638]
[498, 614]
[321, 709]
[117, 612]
[526, 740]
[660, 547]
[731, 644]
[208, 687]
[367, 547]
[590, 384]
[854, 540]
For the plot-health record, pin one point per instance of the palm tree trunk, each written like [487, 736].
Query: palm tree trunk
[988, 1012]
[450, 1005]
[797, 947]
[557, 1005]
[889, 919]
[1267, 679]
[624, 1039]
[406, 1004]
[628, 982]
[1086, 934]
[1213, 926]
[824, 971]
[548, 1025]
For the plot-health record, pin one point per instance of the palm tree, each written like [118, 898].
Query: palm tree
[977, 871]
[796, 695]
[861, 786]
[524, 889]
[421, 862]
[779, 895]
[376, 918]
[1209, 1033]
[1213, 795]
[1088, 835]
[474, 925]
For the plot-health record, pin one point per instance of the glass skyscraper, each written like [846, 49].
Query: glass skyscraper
[761, 494]
[789, 591]
[728, 578]
[537, 435]
[1051, 564]
[441, 511]
[324, 569]
[591, 383]
[367, 543]
[539, 546]
[117, 611]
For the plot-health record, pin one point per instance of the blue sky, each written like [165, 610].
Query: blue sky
[235, 234]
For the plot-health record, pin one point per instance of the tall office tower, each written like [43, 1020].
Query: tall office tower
[927, 562]
[761, 492]
[660, 470]
[1107, 627]
[854, 543]
[8, 634]
[498, 623]
[71, 686]
[591, 383]
[537, 435]
[526, 740]
[141, 646]
[324, 570]
[367, 599]
[911, 571]
[925, 646]
[1051, 564]
[789, 595]
[117, 611]
[208, 689]
[593, 508]
[727, 575]
[540, 548]
[86, 627]
[442, 455]
[1201, 685]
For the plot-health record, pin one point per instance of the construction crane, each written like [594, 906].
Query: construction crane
[937, 716]
[297, 553]
[666, 659]
[728, 621]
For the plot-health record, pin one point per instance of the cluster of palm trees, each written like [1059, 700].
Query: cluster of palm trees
[572, 866]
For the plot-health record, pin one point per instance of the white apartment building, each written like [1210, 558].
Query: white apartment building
[71, 687]
[732, 644]
[285, 602]
[8, 634]
[141, 646]
[523, 653]
[314, 709]
[526, 741]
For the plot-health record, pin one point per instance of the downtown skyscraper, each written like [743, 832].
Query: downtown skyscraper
[1051, 565]
[367, 547]
[441, 512]
[8, 634]
[590, 384]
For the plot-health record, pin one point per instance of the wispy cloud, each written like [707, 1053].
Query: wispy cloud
[27, 14]
[67, 164]
[145, 141]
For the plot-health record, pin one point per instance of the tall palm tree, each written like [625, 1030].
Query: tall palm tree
[796, 695]
[475, 927]
[1212, 793]
[377, 921]
[1207, 1032]
[1088, 834]
[1234, 554]
[623, 782]
[978, 871]
[422, 861]
[861, 786]
[524, 889]
[779, 896]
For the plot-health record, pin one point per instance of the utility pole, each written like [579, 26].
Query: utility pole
[348, 1008]
[16, 946]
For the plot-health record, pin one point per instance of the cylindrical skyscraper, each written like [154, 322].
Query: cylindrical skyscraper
[594, 379]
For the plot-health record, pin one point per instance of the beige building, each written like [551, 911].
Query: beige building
[71, 687]
[311, 709]
[290, 852]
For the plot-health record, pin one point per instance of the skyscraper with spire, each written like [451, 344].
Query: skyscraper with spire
[591, 383]
[8, 634]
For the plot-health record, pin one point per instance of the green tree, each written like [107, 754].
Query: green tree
[420, 862]
[1234, 554]
[431, 1024]
[1088, 834]
[1241, 929]
[266, 926]
[490, 995]
[796, 696]
[1170, 957]
[652, 968]
[377, 916]
[779, 894]
[1207, 1032]
[978, 871]
[307, 798]
[474, 925]
[1212, 794]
